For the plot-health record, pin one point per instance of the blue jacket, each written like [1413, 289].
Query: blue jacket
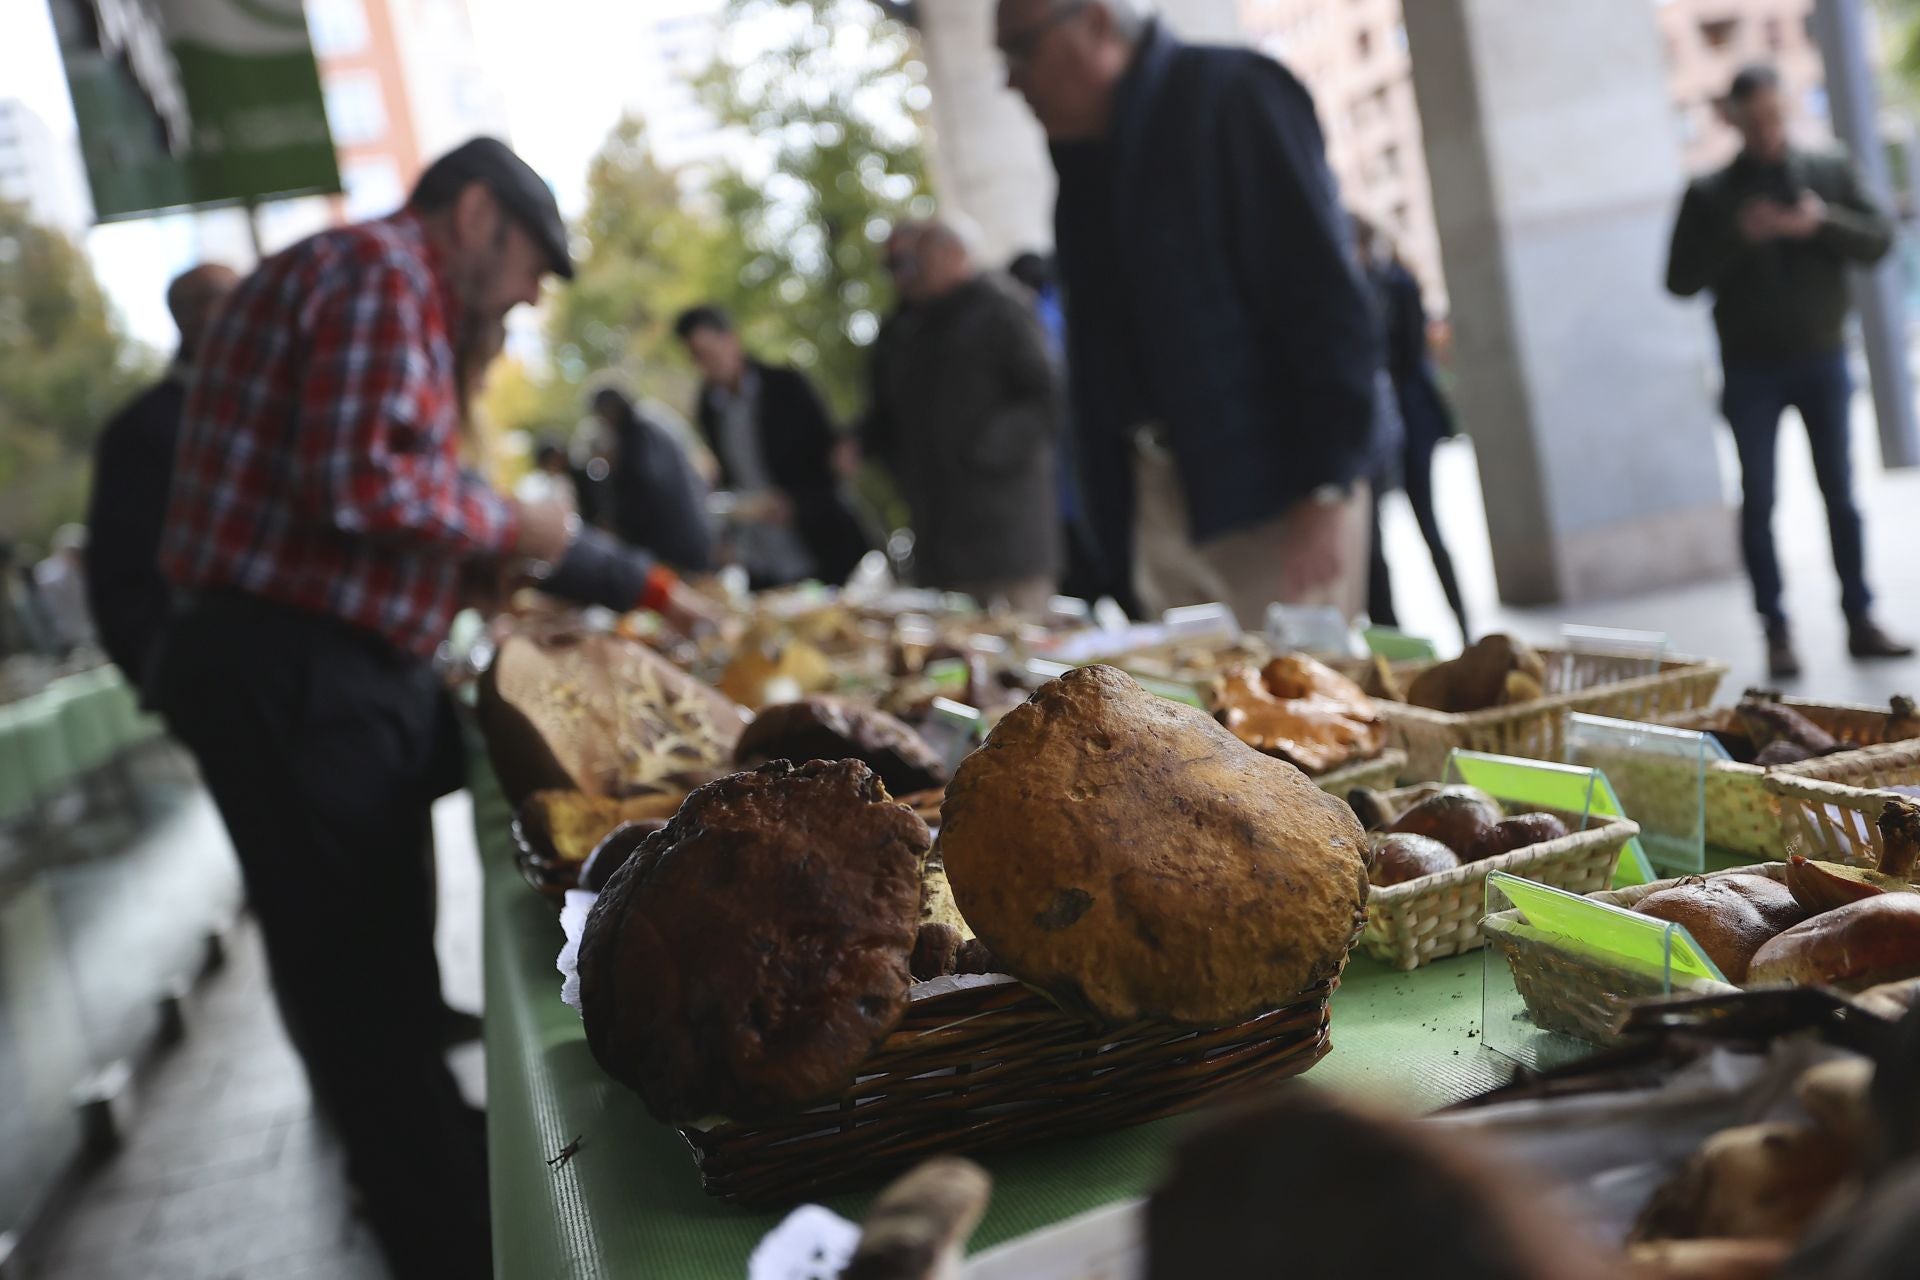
[1211, 287]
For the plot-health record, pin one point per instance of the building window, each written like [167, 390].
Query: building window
[1718, 33]
[338, 27]
[1390, 160]
[373, 188]
[355, 110]
[1363, 43]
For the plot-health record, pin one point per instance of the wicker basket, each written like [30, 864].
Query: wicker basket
[996, 1065]
[1598, 683]
[1437, 916]
[1742, 814]
[1376, 774]
[1828, 807]
[1585, 994]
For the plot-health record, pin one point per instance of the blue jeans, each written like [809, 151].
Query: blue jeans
[1755, 396]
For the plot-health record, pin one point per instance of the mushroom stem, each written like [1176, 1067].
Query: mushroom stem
[1899, 838]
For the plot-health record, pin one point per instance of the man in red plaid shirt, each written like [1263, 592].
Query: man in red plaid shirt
[319, 530]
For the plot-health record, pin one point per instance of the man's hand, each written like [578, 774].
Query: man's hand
[1801, 219]
[689, 612]
[1759, 220]
[1314, 555]
[546, 531]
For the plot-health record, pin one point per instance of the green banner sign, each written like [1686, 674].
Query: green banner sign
[194, 102]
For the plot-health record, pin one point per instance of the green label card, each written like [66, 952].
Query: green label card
[1636, 940]
[1545, 785]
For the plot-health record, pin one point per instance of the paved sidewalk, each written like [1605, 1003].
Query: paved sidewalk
[1714, 619]
[227, 1175]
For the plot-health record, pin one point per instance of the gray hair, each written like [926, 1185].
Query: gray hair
[1130, 17]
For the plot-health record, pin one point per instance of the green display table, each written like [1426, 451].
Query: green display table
[629, 1204]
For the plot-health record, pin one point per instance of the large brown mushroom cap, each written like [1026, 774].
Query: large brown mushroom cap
[599, 714]
[747, 958]
[1132, 856]
[829, 728]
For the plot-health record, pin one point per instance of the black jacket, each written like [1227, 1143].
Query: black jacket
[797, 439]
[132, 472]
[1211, 287]
[1424, 413]
[1784, 298]
[966, 412]
[657, 500]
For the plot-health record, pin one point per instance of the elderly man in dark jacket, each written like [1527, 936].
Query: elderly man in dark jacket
[965, 415]
[132, 468]
[1222, 348]
[779, 454]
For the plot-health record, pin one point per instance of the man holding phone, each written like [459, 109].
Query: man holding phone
[1771, 236]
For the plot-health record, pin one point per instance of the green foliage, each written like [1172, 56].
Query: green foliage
[65, 366]
[828, 88]
[648, 253]
[819, 96]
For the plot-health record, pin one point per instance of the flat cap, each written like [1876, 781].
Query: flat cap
[520, 191]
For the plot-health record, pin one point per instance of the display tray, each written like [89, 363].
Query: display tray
[1584, 993]
[991, 1065]
[1602, 684]
[1433, 917]
[1743, 814]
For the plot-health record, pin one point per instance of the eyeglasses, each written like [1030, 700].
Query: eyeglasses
[1018, 49]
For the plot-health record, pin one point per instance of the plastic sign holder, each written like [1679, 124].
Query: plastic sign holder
[1314, 628]
[1201, 622]
[1574, 667]
[1564, 942]
[1539, 784]
[1659, 774]
[953, 730]
[1171, 690]
[1397, 646]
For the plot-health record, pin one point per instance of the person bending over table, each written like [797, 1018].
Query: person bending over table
[319, 529]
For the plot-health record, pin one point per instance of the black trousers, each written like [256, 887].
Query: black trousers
[1754, 397]
[324, 749]
[1417, 476]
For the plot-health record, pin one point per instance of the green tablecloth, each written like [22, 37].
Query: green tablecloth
[629, 1204]
[75, 725]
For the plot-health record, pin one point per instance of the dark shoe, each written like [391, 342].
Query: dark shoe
[1782, 662]
[1866, 640]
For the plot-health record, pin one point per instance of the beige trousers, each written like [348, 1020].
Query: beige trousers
[1242, 569]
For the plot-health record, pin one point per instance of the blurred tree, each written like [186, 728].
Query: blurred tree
[820, 101]
[828, 92]
[65, 366]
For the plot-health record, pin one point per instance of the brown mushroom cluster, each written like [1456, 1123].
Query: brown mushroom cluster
[1848, 927]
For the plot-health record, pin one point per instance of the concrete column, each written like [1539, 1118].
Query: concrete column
[1556, 172]
[989, 158]
[1879, 293]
